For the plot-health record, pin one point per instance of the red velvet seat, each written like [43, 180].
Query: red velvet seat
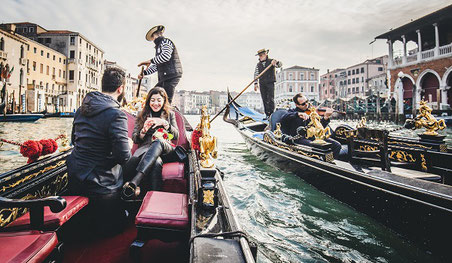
[53, 220]
[27, 246]
[163, 210]
[173, 176]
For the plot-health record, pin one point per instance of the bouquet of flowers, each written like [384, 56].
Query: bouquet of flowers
[162, 134]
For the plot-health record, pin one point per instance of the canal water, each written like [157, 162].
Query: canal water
[289, 219]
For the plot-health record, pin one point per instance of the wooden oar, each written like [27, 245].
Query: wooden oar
[238, 95]
[139, 82]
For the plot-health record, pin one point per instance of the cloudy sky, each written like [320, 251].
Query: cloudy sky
[217, 39]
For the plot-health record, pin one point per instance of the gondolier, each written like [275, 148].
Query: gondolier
[266, 82]
[166, 61]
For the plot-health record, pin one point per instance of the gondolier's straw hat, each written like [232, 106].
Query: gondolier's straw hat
[262, 51]
[153, 30]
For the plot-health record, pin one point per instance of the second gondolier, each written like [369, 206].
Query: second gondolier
[166, 61]
[267, 80]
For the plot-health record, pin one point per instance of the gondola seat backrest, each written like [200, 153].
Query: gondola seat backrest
[182, 140]
[276, 118]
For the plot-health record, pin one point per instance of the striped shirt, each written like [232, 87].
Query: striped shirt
[256, 71]
[164, 56]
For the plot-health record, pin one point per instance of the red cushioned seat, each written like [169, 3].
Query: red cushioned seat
[163, 210]
[53, 220]
[27, 246]
[174, 178]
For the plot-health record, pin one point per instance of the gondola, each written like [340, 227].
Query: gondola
[60, 115]
[414, 203]
[190, 220]
[20, 117]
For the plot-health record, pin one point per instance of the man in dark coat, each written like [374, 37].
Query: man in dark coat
[101, 146]
[297, 117]
[267, 80]
[166, 61]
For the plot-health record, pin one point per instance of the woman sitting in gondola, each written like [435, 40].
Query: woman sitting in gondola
[154, 127]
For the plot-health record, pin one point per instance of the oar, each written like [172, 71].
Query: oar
[238, 95]
[139, 82]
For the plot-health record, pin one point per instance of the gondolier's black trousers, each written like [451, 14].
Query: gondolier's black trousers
[268, 97]
[169, 85]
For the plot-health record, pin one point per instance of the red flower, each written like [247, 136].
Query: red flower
[165, 136]
[160, 130]
[195, 139]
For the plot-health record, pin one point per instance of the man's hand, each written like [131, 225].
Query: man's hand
[145, 63]
[328, 114]
[256, 86]
[303, 115]
[140, 76]
[274, 61]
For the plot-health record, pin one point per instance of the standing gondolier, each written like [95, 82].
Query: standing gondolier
[166, 61]
[267, 80]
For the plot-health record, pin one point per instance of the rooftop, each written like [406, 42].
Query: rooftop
[300, 67]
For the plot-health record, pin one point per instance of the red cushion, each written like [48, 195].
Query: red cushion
[182, 140]
[173, 178]
[161, 209]
[54, 220]
[27, 246]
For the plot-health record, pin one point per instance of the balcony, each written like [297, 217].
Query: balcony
[415, 57]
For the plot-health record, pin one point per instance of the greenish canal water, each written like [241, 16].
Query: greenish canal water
[289, 219]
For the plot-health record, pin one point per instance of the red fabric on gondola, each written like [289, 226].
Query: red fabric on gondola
[27, 246]
[165, 210]
[173, 178]
[53, 220]
[182, 140]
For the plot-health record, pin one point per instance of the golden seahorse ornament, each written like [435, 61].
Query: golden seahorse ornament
[207, 143]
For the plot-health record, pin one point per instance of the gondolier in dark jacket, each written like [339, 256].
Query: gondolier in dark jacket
[266, 82]
[101, 146]
[166, 61]
[297, 117]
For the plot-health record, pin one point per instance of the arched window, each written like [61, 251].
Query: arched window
[21, 51]
[21, 77]
[2, 44]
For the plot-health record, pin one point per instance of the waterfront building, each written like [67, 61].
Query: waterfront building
[46, 84]
[13, 53]
[328, 88]
[84, 59]
[423, 71]
[251, 100]
[296, 79]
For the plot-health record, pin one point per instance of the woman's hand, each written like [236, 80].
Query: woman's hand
[155, 122]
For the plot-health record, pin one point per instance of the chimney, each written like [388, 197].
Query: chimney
[11, 28]
[328, 71]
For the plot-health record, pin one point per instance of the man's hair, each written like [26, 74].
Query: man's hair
[298, 95]
[112, 79]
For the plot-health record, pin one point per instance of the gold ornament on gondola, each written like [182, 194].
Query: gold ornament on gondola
[207, 143]
[426, 120]
[278, 132]
[316, 129]
[135, 105]
[362, 123]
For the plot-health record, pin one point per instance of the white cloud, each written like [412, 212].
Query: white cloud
[217, 40]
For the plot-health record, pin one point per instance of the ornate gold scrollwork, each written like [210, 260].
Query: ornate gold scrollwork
[362, 123]
[402, 156]
[423, 163]
[277, 132]
[31, 176]
[368, 148]
[7, 215]
[351, 133]
[208, 196]
[426, 120]
[410, 144]
[269, 140]
[443, 148]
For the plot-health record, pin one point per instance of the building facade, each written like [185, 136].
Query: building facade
[46, 84]
[297, 79]
[424, 72]
[84, 59]
[13, 55]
